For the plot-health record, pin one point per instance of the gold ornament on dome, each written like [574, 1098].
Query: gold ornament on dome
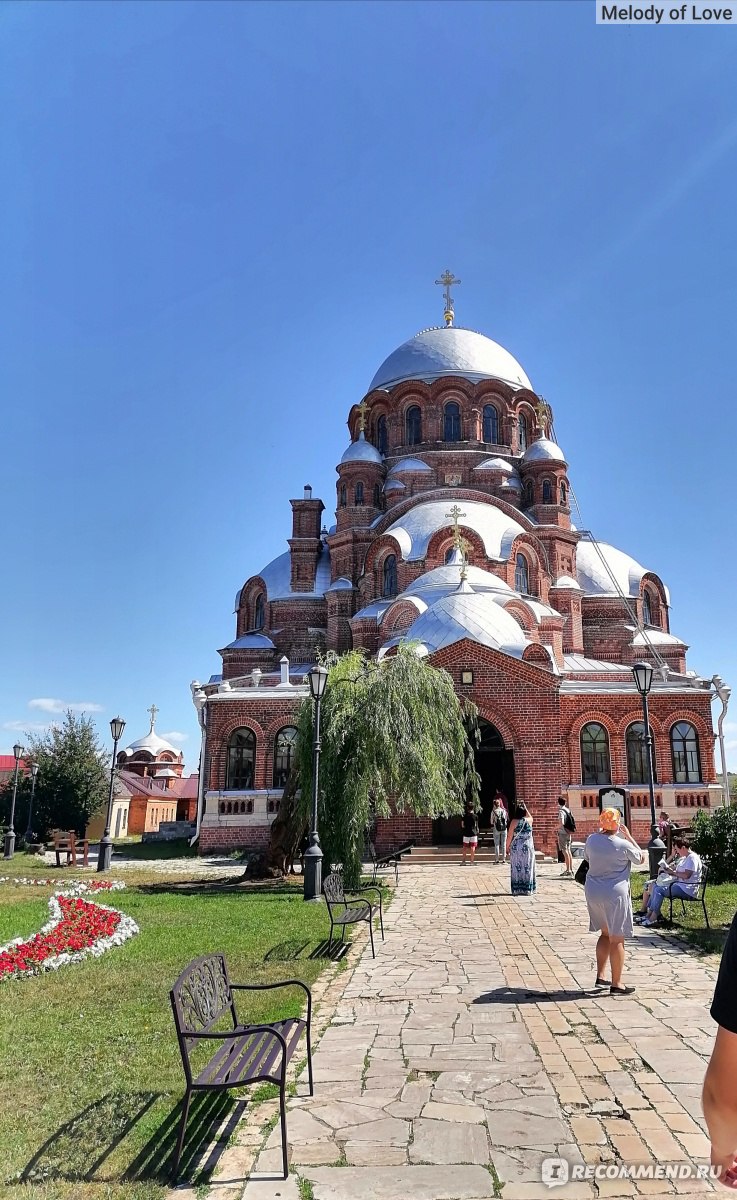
[447, 280]
[544, 415]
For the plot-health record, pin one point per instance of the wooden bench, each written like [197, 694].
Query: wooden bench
[391, 858]
[201, 998]
[700, 896]
[351, 908]
[67, 842]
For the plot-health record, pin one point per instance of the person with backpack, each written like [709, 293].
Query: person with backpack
[499, 829]
[566, 829]
[470, 831]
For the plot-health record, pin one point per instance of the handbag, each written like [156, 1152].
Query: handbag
[582, 872]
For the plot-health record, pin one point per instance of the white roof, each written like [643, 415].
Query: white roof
[251, 641]
[496, 464]
[449, 350]
[414, 528]
[153, 744]
[444, 580]
[596, 580]
[655, 637]
[579, 662]
[408, 464]
[567, 581]
[468, 614]
[277, 575]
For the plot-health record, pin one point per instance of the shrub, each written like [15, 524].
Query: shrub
[715, 838]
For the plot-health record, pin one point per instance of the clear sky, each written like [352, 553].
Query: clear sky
[219, 218]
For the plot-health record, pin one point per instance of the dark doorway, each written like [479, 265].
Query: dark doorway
[495, 766]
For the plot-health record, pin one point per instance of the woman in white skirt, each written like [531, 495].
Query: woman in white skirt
[610, 854]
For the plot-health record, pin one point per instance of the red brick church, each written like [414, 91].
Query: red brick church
[453, 530]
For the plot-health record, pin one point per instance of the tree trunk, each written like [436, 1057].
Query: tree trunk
[287, 830]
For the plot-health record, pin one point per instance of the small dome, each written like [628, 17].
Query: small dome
[395, 485]
[567, 581]
[409, 464]
[543, 450]
[362, 451]
[252, 641]
[607, 571]
[468, 614]
[449, 350]
[341, 585]
[496, 464]
[512, 481]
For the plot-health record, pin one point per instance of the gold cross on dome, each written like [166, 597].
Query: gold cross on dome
[447, 280]
[362, 410]
[544, 414]
[454, 515]
[153, 710]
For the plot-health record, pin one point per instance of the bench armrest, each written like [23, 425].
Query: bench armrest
[358, 893]
[268, 987]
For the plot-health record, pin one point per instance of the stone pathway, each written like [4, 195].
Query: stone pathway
[472, 1048]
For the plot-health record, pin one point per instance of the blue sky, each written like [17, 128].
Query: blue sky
[220, 218]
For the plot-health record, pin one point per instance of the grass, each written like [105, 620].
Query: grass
[134, 848]
[721, 905]
[90, 1076]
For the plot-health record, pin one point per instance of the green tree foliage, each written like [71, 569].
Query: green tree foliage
[715, 838]
[394, 734]
[73, 777]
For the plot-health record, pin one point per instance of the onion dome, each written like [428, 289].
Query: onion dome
[152, 743]
[449, 350]
[543, 450]
[362, 451]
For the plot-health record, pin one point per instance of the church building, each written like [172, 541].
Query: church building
[453, 531]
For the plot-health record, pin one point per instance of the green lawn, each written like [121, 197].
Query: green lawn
[90, 1074]
[135, 848]
[721, 905]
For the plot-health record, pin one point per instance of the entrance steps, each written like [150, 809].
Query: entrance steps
[444, 856]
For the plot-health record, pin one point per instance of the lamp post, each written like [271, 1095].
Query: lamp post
[105, 853]
[10, 835]
[643, 674]
[723, 692]
[29, 830]
[318, 678]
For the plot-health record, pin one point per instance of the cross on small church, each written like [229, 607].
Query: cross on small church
[446, 280]
[454, 515]
[544, 413]
[153, 710]
[362, 409]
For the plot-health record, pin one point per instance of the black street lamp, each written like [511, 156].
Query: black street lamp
[105, 853]
[10, 835]
[29, 830]
[643, 674]
[318, 678]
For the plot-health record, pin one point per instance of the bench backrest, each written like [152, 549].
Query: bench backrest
[333, 889]
[200, 997]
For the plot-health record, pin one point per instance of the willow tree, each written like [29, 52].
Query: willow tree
[395, 738]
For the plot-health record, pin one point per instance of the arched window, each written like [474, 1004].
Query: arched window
[413, 425]
[381, 435]
[637, 754]
[241, 758]
[684, 744]
[563, 492]
[377, 495]
[522, 575]
[343, 494]
[491, 424]
[647, 612]
[547, 492]
[284, 749]
[258, 612]
[522, 433]
[389, 579]
[529, 493]
[452, 423]
[595, 766]
[358, 494]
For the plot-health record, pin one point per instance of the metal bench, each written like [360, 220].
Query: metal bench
[201, 998]
[699, 897]
[391, 859]
[351, 908]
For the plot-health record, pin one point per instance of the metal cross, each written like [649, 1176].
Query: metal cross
[446, 280]
[362, 409]
[544, 414]
[153, 710]
[454, 515]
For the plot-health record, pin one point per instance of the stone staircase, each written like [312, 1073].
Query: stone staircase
[444, 856]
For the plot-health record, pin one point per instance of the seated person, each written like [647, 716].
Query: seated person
[682, 880]
[663, 878]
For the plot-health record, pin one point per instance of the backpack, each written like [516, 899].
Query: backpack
[500, 821]
[569, 821]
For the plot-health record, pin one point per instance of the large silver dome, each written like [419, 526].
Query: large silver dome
[448, 350]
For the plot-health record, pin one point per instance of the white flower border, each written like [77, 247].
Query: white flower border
[126, 928]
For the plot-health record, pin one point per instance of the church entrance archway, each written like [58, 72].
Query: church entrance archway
[495, 766]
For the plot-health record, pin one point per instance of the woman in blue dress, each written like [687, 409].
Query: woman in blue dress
[522, 854]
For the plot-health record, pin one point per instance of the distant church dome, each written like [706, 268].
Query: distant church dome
[362, 451]
[448, 350]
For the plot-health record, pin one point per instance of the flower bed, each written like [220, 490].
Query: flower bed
[77, 929]
[72, 887]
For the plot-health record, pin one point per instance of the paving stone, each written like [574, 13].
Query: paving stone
[448, 1142]
[400, 1183]
[469, 1113]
